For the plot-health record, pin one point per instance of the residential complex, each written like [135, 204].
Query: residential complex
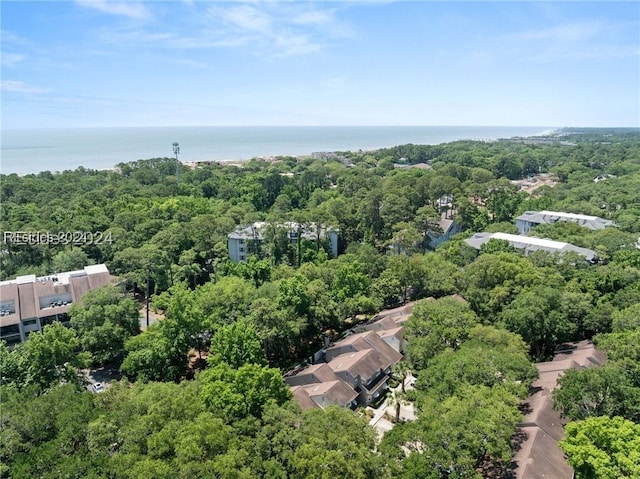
[357, 367]
[529, 219]
[28, 303]
[247, 240]
[530, 244]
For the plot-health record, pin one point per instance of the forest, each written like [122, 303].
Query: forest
[227, 412]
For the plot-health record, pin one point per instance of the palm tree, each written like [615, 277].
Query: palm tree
[400, 371]
[397, 399]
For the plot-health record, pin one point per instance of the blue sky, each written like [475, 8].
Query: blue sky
[182, 63]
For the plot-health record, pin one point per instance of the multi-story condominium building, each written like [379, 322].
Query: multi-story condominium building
[28, 303]
[247, 240]
[529, 219]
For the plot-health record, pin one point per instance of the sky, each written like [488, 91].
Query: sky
[103, 63]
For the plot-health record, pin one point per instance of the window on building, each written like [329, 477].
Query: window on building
[12, 341]
[7, 308]
[8, 330]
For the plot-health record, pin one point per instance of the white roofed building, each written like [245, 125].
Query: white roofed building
[530, 244]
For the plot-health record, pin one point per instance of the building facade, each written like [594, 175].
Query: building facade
[530, 244]
[529, 219]
[28, 303]
[245, 241]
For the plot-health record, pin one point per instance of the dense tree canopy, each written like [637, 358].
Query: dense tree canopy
[236, 419]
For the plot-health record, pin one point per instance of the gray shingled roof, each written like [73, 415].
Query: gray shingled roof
[550, 217]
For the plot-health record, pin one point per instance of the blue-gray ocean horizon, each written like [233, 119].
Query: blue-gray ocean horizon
[35, 150]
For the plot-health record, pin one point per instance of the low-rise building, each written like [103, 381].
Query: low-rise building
[394, 337]
[363, 341]
[366, 371]
[529, 219]
[362, 361]
[530, 244]
[324, 394]
[448, 226]
[28, 303]
[316, 373]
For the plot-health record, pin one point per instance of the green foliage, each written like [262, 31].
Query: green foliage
[536, 315]
[237, 393]
[104, 320]
[622, 345]
[334, 443]
[159, 354]
[69, 260]
[237, 344]
[435, 326]
[610, 390]
[236, 421]
[47, 359]
[457, 436]
[477, 363]
[627, 319]
[224, 301]
[497, 246]
[603, 448]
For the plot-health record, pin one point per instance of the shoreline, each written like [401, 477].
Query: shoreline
[111, 147]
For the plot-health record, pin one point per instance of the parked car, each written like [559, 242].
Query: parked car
[98, 387]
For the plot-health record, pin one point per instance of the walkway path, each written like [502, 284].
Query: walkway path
[407, 411]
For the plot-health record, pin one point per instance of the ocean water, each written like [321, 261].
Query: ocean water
[34, 150]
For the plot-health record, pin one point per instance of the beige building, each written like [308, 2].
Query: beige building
[28, 303]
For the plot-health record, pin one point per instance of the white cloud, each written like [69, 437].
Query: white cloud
[247, 17]
[572, 40]
[135, 10]
[277, 29]
[313, 17]
[11, 59]
[268, 29]
[20, 87]
[570, 32]
[133, 36]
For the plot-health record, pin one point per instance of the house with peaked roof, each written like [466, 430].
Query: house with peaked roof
[320, 385]
[329, 393]
[539, 455]
[362, 361]
[394, 337]
[448, 226]
[366, 371]
[316, 373]
[388, 318]
[361, 342]
[303, 399]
